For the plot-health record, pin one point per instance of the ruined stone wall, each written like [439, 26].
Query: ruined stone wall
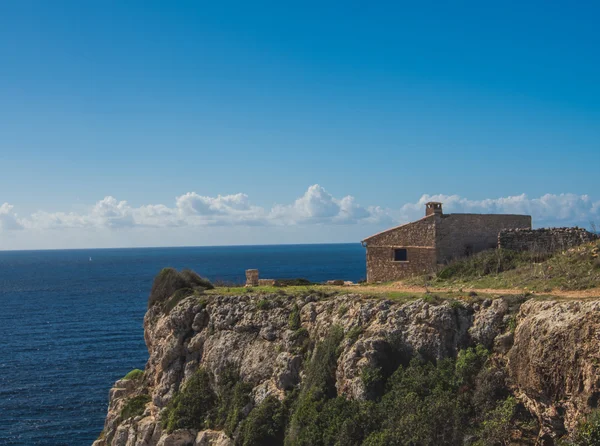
[544, 240]
[458, 235]
[418, 238]
[381, 266]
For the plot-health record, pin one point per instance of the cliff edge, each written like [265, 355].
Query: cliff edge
[253, 368]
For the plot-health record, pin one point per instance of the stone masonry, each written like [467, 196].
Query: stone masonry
[544, 240]
[251, 277]
[419, 247]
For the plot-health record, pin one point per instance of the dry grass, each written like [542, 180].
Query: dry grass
[572, 270]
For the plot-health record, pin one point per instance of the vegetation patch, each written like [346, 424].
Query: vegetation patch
[192, 407]
[417, 402]
[134, 374]
[574, 269]
[588, 431]
[200, 406]
[169, 281]
[420, 403]
[135, 406]
[294, 318]
[233, 396]
[354, 333]
[292, 282]
[264, 304]
[265, 425]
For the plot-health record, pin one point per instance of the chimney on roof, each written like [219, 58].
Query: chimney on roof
[433, 207]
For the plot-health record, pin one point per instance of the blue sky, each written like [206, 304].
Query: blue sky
[174, 104]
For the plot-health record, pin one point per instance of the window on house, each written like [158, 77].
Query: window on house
[400, 255]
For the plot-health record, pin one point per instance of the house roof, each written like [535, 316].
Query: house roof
[396, 227]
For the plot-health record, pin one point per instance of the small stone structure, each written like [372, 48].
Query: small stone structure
[266, 282]
[418, 247]
[544, 240]
[253, 280]
[252, 277]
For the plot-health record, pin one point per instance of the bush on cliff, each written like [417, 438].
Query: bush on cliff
[191, 407]
[294, 318]
[134, 374]
[423, 403]
[233, 396]
[265, 425]
[588, 431]
[418, 402]
[134, 406]
[169, 280]
[200, 406]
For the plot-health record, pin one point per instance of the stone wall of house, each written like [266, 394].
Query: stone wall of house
[381, 266]
[418, 238]
[417, 233]
[544, 240]
[458, 235]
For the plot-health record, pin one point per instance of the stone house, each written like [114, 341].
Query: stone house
[418, 247]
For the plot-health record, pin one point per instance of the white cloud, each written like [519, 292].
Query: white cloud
[315, 206]
[549, 209]
[8, 219]
[319, 206]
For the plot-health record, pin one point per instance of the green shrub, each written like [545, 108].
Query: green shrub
[198, 406]
[263, 304]
[354, 333]
[292, 282]
[496, 428]
[457, 304]
[420, 403]
[233, 396]
[294, 318]
[307, 425]
[265, 424]
[193, 406]
[469, 362]
[301, 342]
[177, 297]
[588, 431]
[169, 280]
[433, 299]
[372, 379]
[135, 406]
[134, 374]
[342, 310]
[195, 280]
[166, 282]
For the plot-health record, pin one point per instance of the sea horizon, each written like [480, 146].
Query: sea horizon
[180, 247]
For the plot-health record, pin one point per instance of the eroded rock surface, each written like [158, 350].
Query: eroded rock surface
[552, 358]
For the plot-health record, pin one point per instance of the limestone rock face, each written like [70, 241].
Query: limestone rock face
[553, 355]
[555, 361]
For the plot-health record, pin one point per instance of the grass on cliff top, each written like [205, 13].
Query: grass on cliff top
[575, 269]
[366, 292]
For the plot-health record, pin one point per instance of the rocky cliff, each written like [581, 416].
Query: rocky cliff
[547, 351]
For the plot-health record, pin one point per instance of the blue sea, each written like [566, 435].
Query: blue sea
[71, 323]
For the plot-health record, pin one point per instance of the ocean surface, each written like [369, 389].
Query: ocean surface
[71, 323]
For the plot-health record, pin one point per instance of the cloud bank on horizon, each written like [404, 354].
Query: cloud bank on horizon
[315, 207]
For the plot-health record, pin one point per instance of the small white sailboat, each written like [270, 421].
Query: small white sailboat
[90, 259]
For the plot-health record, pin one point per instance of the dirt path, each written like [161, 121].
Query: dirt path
[401, 287]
